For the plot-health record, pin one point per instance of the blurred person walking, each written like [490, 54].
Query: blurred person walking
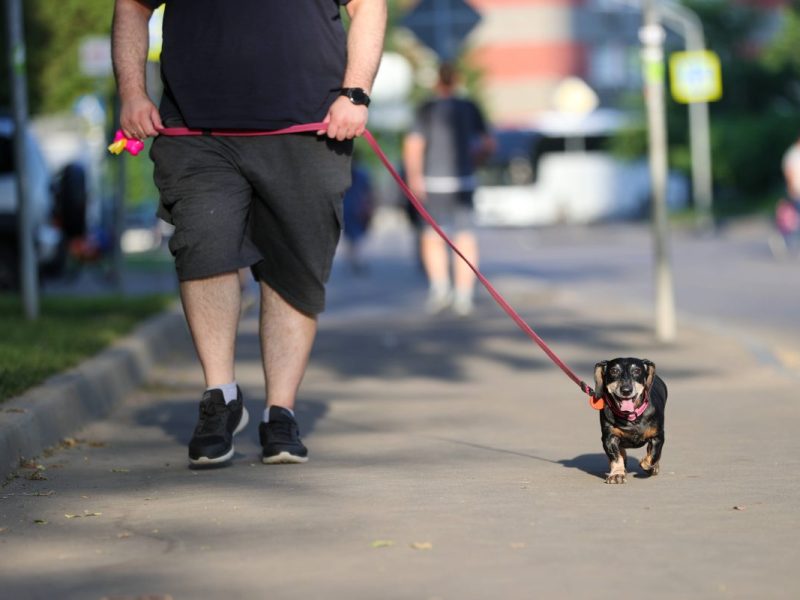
[270, 203]
[448, 140]
[359, 206]
[787, 211]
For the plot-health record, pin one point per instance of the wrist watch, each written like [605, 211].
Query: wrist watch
[357, 95]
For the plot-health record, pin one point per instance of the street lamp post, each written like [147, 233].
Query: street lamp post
[691, 29]
[652, 38]
[19, 97]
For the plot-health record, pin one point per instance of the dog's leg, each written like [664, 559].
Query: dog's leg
[650, 462]
[616, 459]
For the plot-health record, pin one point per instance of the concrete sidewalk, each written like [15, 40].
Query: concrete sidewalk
[449, 459]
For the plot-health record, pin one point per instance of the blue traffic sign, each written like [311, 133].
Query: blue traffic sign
[442, 25]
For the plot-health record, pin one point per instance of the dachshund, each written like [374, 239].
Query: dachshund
[633, 414]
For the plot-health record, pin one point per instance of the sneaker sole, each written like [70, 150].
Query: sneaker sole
[204, 460]
[284, 458]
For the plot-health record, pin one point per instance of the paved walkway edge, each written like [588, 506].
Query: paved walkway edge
[47, 413]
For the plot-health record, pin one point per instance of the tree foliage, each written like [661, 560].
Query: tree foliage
[54, 31]
[758, 116]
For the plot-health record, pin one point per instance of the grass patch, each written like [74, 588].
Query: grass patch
[68, 331]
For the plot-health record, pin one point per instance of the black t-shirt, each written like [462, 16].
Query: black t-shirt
[451, 126]
[251, 64]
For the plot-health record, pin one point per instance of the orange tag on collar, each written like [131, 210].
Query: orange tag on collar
[597, 403]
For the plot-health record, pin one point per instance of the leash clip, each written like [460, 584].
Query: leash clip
[595, 402]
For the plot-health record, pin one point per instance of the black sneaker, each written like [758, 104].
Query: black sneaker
[212, 441]
[280, 439]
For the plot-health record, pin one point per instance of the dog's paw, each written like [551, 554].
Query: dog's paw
[648, 467]
[615, 478]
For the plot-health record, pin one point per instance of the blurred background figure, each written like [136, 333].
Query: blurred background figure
[359, 206]
[448, 140]
[787, 212]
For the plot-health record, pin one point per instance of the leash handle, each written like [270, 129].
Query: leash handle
[184, 131]
[594, 402]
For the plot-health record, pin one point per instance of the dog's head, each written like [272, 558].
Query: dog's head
[624, 381]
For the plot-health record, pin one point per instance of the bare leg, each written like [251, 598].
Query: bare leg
[434, 257]
[286, 339]
[212, 308]
[463, 276]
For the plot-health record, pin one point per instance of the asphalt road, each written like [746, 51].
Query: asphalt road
[449, 458]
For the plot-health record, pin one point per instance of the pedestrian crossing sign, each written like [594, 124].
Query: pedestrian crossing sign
[695, 76]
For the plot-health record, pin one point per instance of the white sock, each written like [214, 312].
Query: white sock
[229, 391]
[439, 289]
[464, 296]
[265, 418]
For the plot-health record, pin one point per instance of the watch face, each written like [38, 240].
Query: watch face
[357, 96]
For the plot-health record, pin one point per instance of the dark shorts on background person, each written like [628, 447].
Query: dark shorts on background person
[452, 211]
[273, 203]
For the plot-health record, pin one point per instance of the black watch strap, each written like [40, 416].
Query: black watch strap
[357, 95]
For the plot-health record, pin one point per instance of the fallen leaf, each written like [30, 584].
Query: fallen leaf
[518, 545]
[97, 444]
[36, 476]
[120, 470]
[124, 534]
[69, 442]
[15, 410]
[86, 513]
[40, 521]
[382, 543]
[2, 529]
[739, 507]
[422, 546]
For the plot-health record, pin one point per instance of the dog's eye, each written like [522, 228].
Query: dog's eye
[615, 371]
[636, 371]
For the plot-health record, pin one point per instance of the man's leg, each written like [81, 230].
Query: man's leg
[212, 307]
[463, 276]
[286, 339]
[434, 255]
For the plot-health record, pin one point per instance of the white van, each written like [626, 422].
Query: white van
[548, 176]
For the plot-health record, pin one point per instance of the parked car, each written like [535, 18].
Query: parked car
[57, 203]
[542, 177]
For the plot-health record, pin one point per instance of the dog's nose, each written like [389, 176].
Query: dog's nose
[626, 388]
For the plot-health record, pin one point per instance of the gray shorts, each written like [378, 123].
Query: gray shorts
[452, 212]
[273, 203]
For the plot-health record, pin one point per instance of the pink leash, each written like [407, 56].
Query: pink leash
[309, 127]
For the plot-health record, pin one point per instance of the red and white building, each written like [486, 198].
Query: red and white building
[526, 48]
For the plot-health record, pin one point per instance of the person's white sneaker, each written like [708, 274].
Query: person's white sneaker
[438, 301]
[463, 305]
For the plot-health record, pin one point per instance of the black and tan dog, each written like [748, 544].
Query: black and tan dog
[633, 415]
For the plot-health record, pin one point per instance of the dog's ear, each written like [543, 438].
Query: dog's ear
[599, 379]
[651, 373]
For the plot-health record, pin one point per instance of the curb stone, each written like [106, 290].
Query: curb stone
[42, 416]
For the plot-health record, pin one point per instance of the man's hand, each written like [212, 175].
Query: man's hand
[345, 120]
[139, 118]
